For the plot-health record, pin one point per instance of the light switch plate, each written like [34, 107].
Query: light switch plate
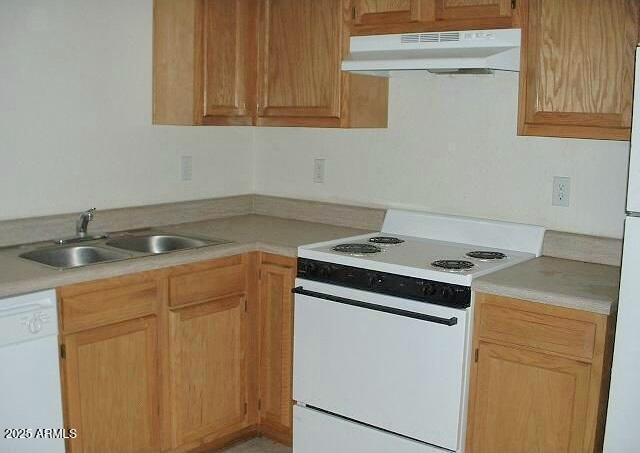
[319, 170]
[186, 168]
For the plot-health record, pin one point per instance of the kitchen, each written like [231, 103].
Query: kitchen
[77, 109]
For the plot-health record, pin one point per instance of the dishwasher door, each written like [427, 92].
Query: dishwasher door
[30, 397]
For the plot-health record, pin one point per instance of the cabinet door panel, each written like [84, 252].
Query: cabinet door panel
[112, 387]
[228, 61]
[276, 347]
[385, 11]
[208, 369]
[578, 65]
[527, 401]
[300, 55]
[473, 9]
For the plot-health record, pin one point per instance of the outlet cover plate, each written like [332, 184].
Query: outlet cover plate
[561, 191]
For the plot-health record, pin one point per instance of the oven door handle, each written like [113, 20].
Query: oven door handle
[391, 310]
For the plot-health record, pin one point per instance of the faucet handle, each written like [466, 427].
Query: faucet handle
[90, 213]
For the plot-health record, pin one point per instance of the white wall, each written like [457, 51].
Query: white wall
[75, 115]
[451, 147]
[75, 132]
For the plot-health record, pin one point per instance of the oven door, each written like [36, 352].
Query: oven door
[392, 363]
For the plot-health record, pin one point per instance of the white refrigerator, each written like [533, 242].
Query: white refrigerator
[622, 433]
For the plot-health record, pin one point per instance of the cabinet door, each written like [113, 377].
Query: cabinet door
[382, 12]
[112, 387]
[474, 9]
[300, 57]
[525, 401]
[208, 370]
[276, 348]
[577, 68]
[228, 61]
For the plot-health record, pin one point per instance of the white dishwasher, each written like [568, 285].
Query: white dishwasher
[30, 398]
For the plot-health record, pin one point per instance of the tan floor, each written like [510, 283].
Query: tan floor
[258, 445]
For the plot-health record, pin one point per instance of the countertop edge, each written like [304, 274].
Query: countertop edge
[597, 306]
[139, 265]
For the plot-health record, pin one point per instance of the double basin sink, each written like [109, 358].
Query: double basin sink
[66, 257]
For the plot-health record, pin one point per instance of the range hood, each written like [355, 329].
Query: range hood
[473, 52]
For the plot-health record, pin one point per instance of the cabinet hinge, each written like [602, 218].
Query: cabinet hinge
[245, 408]
[476, 359]
[353, 12]
[63, 351]
[245, 304]
[513, 4]
[259, 404]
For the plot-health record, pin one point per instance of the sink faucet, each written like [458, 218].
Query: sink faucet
[83, 222]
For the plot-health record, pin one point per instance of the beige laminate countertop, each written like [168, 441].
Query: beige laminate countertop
[247, 233]
[554, 281]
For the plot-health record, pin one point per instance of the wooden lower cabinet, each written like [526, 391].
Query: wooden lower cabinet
[207, 350]
[113, 390]
[111, 364]
[178, 359]
[538, 383]
[276, 279]
[208, 370]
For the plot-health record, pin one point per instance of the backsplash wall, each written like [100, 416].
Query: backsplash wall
[451, 147]
[75, 115]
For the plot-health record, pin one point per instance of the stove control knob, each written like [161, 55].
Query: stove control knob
[447, 292]
[309, 268]
[379, 280]
[428, 289]
[371, 280]
[324, 271]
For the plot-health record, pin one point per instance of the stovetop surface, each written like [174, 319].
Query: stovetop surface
[414, 257]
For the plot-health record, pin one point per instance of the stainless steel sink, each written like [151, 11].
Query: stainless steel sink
[160, 243]
[75, 256]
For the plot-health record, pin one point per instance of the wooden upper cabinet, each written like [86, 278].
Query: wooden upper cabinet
[227, 68]
[577, 68]
[259, 62]
[371, 17]
[300, 59]
[112, 387]
[390, 11]
[300, 82]
[474, 9]
[277, 276]
[204, 62]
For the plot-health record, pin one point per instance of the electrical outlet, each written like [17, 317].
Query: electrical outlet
[561, 191]
[186, 168]
[318, 170]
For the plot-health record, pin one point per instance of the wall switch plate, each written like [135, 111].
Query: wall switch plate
[186, 168]
[318, 170]
[561, 191]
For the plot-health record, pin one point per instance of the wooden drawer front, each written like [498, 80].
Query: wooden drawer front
[107, 305]
[548, 333]
[201, 283]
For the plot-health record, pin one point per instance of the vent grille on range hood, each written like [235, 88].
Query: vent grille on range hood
[445, 36]
[476, 51]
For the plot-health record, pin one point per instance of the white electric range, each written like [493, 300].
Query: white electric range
[382, 331]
